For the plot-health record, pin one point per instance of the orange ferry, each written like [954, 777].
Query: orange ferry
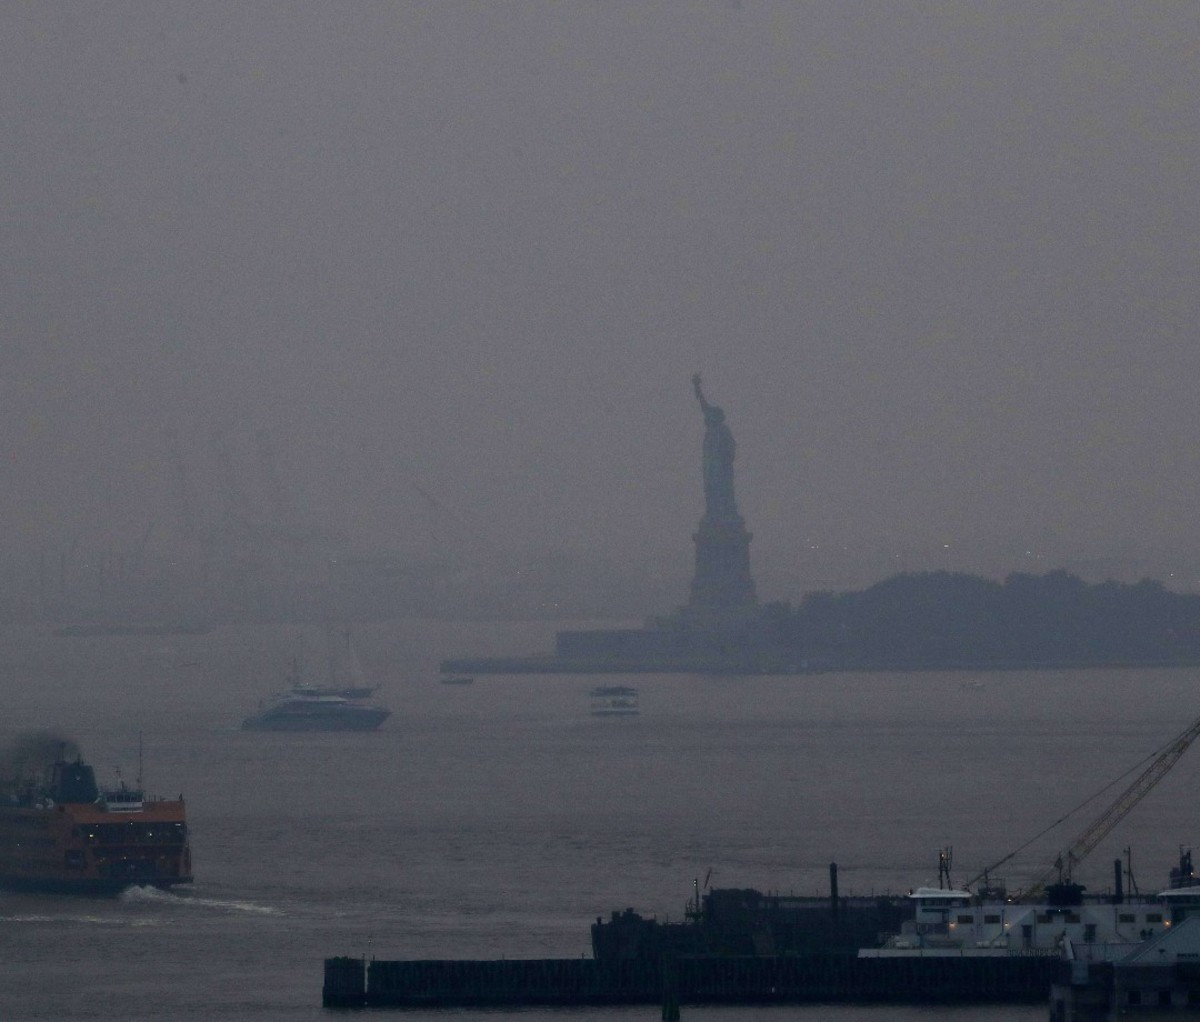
[66, 834]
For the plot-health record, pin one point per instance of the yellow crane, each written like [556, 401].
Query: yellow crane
[1062, 869]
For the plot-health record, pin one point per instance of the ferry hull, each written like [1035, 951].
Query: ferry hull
[84, 888]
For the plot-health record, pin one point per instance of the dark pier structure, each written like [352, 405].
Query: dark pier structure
[777, 979]
[740, 922]
[737, 946]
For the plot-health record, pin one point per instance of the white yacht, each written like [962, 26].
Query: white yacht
[302, 711]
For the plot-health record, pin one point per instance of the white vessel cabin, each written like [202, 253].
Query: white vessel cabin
[959, 923]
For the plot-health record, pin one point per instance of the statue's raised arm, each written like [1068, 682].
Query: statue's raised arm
[719, 450]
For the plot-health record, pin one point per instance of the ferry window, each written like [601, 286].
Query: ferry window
[991, 919]
[1045, 917]
[1154, 917]
[1126, 917]
[966, 919]
[1072, 917]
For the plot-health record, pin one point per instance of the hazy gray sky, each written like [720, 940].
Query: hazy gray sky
[938, 262]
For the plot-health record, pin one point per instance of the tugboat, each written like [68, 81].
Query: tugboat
[60, 832]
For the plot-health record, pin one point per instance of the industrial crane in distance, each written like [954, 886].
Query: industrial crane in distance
[1056, 881]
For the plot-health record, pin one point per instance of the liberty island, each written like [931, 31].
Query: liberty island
[935, 620]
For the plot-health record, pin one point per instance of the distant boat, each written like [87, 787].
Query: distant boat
[334, 705]
[614, 701]
[297, 711]
[458, 679]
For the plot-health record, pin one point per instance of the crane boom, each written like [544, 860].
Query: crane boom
[1099, 829]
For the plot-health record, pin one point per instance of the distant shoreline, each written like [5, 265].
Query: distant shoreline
[930, 621]
[562, 665]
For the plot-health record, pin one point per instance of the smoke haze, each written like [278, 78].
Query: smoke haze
[436, 276]
[29, 754]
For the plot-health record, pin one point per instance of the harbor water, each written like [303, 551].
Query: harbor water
[499, 819]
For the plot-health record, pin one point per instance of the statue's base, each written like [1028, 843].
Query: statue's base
[722, 587]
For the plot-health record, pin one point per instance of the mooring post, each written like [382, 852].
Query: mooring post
[833, 893]
[345, 983]
[670, 989]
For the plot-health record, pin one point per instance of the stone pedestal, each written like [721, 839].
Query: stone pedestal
[722, 587]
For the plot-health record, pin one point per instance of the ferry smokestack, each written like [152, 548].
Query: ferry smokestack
[1118, 883]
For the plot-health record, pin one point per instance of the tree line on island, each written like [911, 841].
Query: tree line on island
[941, 618]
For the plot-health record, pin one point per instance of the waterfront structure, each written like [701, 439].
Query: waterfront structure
[1095, 961]
[516, 983]
[1159, 978]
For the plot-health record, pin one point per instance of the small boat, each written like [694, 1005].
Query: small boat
[457, 679]
[301, 711]
[614, 701]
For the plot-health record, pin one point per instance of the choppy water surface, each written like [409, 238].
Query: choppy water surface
[500, 818]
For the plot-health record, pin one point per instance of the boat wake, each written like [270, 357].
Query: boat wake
[154, 896]
[16, 920]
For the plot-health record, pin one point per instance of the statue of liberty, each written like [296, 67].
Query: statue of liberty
[718, 453]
